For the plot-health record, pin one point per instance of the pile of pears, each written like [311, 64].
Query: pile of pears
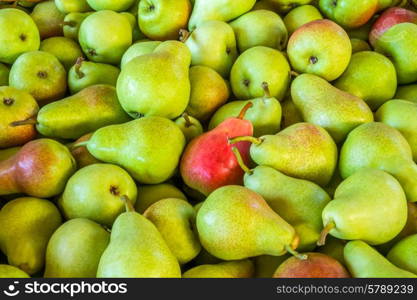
[208, 139]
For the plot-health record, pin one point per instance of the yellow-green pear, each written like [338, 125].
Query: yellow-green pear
[8, 271]
[149, 194]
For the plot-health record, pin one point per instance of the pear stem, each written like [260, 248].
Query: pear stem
[323, 235]
[240, 161]
[28, 121]
[295, 74]
[244, 110]
[184, 35]
[128, 203]
[77, 67]
[265, 87]
[187, 119]
[251, 139]
[80, 144]
[295, 253]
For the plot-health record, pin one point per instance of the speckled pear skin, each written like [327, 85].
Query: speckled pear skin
[236, 223]
[90, 109]
[148, 148]
[303, 150]
[230, 269]
[299, 202]
[376, 145]
[370, 205]
[363, 261]
[324, 105]
[27, 224]
[7, 271]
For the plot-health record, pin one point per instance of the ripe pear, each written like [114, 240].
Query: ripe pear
[72, 23]
[376, 145]
[94, 192]
[4, 75]
[14, 105]
[257, 65]
[66, 50]
[230, 269]
[8, 271]
[221, 10]
[70, 6]
[407, 92]
[370, 205]
[149, 194]
[139, 48]
[321, 48]
[363, 261]
[144, 90]
[48, 18]
[236, 223]
[94, 32]
[301, 15]
[137, 250]
[324, 105]
[40, 168]
[190, 127]
[40, 74]
[149, 158]
[87, 73]
[404, 254]
[19, 32]
[27, 225]
[370, 76]
[120, 5]
[81, 154]
[74, 249]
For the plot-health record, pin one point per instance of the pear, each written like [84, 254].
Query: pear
[163, 19]
[81, 154]
[376, 145]
[74, 249]
[66, 50]
[260, 28]
[120, 5]
[40, 168]
[27, 225]
[230, 269]
[7, 271]
[94, 192]
[190, 127]
[137, 250]
[148, 157]
[321, 48]
[404, 254]
[363, 261]
[40, 74]
[265, 113]
[132, 18]
[400, 114]
[301, 15]
[175, 219]
[221, 10]
[256, 65]
[69, 6]
[236, 223]
[144, 90]
[324, 105]
[48, 19]
[266, 265]
[19, 32]
[14, 105]
[4, 75]
[140, 48]
[149, 194]
[72, 23]
[209, 91]
[290, 113]
[370, 205]
[94, 32]
[213, 44]
[85, 73]
[407, 92]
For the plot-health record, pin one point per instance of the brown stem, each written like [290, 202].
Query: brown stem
[187, 119]
[265, 87]
[77, 67]
[250, 139]
[240, 161]
[244, 110]
[325, 232]
[128, 203]
[295, 74]
[28, 121]
[184, 35]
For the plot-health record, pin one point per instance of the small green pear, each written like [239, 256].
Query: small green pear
[48, 18]
[139, 48]
[300, 15]
[149, 194]
[189, 126]
[230, 269]
[8, 271]
[65, 49]
[404, 254]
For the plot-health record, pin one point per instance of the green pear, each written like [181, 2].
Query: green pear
[65, 49]
[369, 76]
[376, 145]
[256, 65]
[175, 219]
[94, 192]
[27, 224]
[74, 249]
[149, 194]
[363, 261]
[7, 271]
[260, 28]
[322, 104]
[290, 113]
[40, 74]
[321, 48]
[136, 33]
[400, 45]
[87, 73]
[301, 15]
[236, 223]
[230, 269]
[209, 91]
[334, 248]
[163, 19]
[48, 19]
[138, 49]
[401, 115]
[221, 10]
[94, 32]
[72, 23]
[213, 44]
[4, 75]
[137, 250]
[407, 92]
[266, 265]
[150, 158]
[359, 46]
[265, 114]
[144, 90]
[70, 6]
[404, 254]
[370, 205]
[18, 34]
[120, 5]
[189, 126]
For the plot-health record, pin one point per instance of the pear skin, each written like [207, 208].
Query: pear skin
[230, 269]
